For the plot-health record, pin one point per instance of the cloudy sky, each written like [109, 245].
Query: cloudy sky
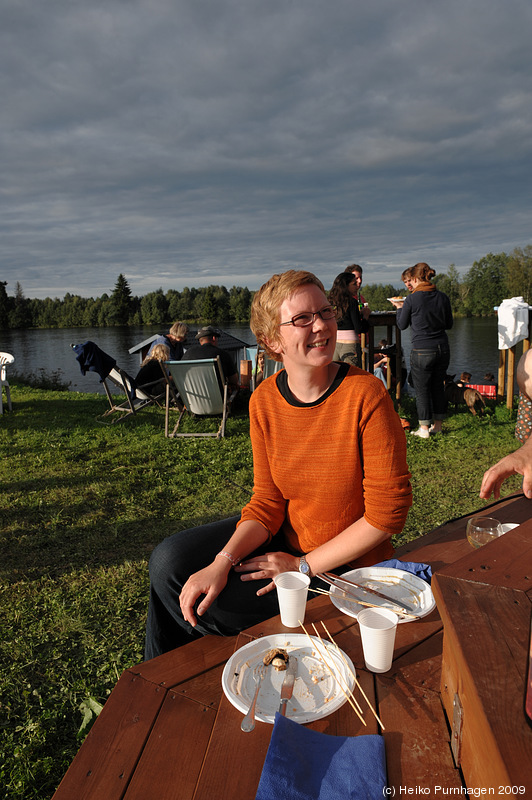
[196, 142]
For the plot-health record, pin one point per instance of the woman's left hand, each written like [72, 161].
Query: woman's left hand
[267, 565]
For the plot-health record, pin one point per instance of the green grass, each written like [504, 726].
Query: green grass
[82, 506]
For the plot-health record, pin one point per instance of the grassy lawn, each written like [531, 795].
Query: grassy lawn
[82, 506]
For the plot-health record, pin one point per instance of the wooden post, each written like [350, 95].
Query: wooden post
[501, 382]
[511, 377]
[380, 319]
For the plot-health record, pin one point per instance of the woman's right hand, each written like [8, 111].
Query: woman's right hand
[209, 582]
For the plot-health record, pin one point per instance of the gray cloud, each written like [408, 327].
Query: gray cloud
[195, 142]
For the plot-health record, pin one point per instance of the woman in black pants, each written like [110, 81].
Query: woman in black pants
[428, 312]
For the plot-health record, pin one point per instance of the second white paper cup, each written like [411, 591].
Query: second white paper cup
[292, 588]
[378, 627]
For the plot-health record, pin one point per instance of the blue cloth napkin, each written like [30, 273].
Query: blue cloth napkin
[302, 764]
[423, 571]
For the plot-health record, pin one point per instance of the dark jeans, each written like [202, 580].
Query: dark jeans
[237, 607]
[428, 368]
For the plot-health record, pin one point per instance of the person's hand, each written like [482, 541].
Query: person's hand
[517, 463]
[267, 565]
[397, 303]
[208, 581]
[365, 312]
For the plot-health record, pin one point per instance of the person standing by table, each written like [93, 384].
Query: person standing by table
[428, 312]
[331, 482]
[351, 321]
[356, 271]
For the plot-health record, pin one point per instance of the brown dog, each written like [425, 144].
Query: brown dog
[454, 393]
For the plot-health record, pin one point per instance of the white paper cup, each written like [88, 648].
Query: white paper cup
[292, 588]
[377, 630]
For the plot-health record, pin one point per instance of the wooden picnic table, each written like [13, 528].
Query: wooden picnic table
[168, 731]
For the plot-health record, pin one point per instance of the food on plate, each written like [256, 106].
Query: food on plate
[277, 657]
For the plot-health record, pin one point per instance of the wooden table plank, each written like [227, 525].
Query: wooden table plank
[104, 764]
[172, 759]
[205, 688]
[418, 753]
[184, 663]
[447, 543]
[505, 562]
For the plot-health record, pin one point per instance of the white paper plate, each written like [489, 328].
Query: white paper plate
[396, 299]
[317, 693]
[509, 526]
[404, 587]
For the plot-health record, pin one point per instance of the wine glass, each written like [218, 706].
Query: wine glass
[481, 530]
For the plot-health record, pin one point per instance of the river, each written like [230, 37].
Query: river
[473, 343]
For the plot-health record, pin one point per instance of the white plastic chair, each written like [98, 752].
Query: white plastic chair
[5, 359]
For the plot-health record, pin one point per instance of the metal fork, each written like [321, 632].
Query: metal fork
[248, 723]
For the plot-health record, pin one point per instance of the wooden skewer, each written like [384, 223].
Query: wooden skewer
[346, 664]
[364, 603]
[355, 678]
[348, 697]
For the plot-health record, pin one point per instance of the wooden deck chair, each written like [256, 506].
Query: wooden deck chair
[137, 397]
[92, 359]
[269, 367]
[203, 390]
[5, 359]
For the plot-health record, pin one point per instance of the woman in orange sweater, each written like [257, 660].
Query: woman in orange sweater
[331, 482]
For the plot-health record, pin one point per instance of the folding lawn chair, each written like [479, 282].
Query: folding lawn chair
[204, 391]
[92, 359]
[269, 367]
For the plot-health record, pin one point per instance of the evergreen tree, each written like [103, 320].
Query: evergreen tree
[208, 306]
[19, 313]
[120, 302]
[4, 307]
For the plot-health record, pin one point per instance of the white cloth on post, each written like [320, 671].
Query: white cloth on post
[512, 322]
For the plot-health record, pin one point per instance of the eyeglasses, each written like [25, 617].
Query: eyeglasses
[308, 317]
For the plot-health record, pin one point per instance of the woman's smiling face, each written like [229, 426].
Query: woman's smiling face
[314, 344]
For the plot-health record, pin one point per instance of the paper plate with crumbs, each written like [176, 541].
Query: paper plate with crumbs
[404, 588]
[325, 675]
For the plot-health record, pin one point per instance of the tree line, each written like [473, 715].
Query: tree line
[486, 284]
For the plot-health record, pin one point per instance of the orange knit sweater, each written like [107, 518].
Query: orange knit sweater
[317, 469]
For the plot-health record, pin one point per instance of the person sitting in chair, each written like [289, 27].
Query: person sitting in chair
[207, 347]
[331, 481]
[173, 340]
[149, 374]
